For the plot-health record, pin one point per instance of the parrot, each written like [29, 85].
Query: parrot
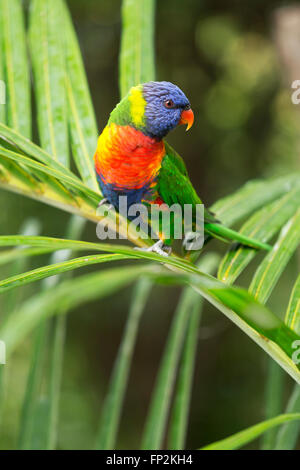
[133, 159]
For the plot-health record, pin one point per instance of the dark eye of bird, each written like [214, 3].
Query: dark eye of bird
[169, 104]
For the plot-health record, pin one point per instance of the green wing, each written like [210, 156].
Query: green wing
[176, 158]
[174, 185]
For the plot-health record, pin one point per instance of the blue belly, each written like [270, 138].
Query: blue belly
[134, 196]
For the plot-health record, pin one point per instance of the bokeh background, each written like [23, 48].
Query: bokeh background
[229, 59]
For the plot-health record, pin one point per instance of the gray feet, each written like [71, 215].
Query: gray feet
[158, 248]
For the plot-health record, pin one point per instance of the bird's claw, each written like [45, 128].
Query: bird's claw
[158, 248]
[105, 201]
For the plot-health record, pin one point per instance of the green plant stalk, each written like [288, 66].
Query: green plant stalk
[234, 263]
[65, 296]
[292, 317]
[56, 369]
[273, 401]
[57, 341]
[16, 66]
[262, 226]
[30, 227]
[9, 256]
[27, 424]
[47, 57]
[49, 67]
[288, 433]
[161, 396]
[2, 76]
[252, 196]
[270, 347]
[252, 317]
[112, 407]
[274, 263]
[26, 147]
[137, 44]
[56, 268]
[244, 437]
[82, 120]
[179, 417]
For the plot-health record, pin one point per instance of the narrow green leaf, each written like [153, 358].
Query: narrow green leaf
[273, 401]
[64, 297]
[288, 434]
[252, 196]
[10, 302]
[64, 177]
[41, 183]
[292, 317]
[265, 328]
[55, 374]
[27, 425]
[274, 263]
[23, 175]
[137, 44]
[261, 226]
[42, 434]
[48, 64]
[31, 227]
[32, 150]
[55, 269]
[179, 418]
[257, 321]
[111, 411]
[16, 66]
[81, 114]
[244, 437]
[84, 202]
[183, 391]
[161, 397]
[2, 76]
[8, 256]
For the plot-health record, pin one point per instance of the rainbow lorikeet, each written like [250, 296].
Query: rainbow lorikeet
[132, 158]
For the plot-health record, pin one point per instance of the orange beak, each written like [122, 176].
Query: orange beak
[187, 117]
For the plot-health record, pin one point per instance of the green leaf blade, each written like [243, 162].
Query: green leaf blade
[292, 317]
[274, 263]
[161, 397]
[112, 406]
[137, 45]
[261, 226]
[16, 66]
[244, 437]
[81, 115]
[48, 64]
[253, 195]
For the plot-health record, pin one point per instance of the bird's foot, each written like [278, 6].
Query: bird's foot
[159, 247]
[105, 201]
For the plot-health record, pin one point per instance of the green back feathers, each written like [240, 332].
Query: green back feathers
[174, 185]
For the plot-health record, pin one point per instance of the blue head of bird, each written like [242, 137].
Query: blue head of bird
[166, 107]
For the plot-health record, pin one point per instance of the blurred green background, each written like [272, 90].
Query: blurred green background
[225, 58]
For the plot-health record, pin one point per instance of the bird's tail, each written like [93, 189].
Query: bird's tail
[220, 231]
